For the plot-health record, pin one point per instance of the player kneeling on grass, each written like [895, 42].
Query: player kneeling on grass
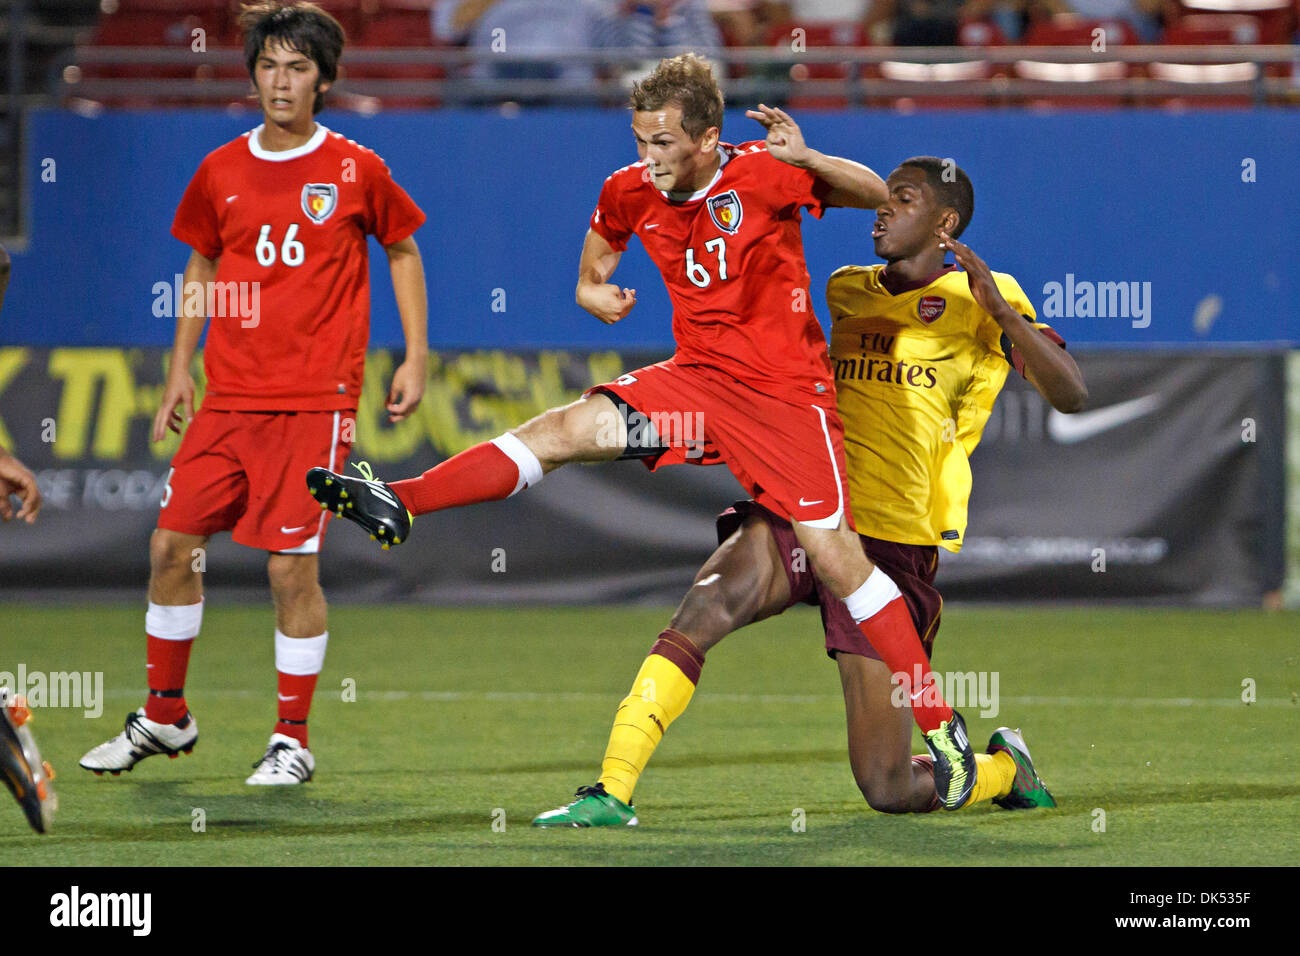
[283, 211]
[915, 343]
[723, 224]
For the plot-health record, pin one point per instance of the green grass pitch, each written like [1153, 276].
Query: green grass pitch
[466, 718]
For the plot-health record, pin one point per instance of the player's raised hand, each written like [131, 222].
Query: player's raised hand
[178, 395]
[16, 479]
[406, 391]
[784, 138]
[609, 302]
[978, 274]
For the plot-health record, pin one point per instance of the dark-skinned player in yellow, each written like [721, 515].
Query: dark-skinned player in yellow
[921, 351]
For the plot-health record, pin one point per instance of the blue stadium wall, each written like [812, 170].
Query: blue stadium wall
[1201, 205]
[1182, 495]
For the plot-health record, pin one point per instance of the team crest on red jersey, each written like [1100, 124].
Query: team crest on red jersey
[319, 201]
[726, 211]
[931, 307]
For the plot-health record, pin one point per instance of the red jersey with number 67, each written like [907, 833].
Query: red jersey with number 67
[732, 257]
[289, 317]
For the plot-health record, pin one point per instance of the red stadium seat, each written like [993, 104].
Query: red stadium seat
[1072, 73]
[1209, 29]
[819, 37]
[1276, 18]
[404, 24]
[956, 74]
[1069, 30]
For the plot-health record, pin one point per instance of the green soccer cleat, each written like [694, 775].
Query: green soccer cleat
[954, 762]
[366, 501]
[593, 808]
[1028, 790]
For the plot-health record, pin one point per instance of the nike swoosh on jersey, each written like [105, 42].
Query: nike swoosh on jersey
[232, 198]
[1070, 429]
[652, 225]
[282, 697]
[284, 530]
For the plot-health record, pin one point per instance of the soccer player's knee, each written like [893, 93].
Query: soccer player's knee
[170, 553]
[291, 577]
[714, 607]
[885, 792]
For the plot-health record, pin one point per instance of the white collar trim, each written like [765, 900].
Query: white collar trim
[701, 193]
[283, 155]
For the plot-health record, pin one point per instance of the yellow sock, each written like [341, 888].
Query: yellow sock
[662, 689]
[994, 774]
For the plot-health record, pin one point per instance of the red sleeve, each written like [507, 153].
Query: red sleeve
[607, 220]
[800, 189]
[196, 223]
[392, 215]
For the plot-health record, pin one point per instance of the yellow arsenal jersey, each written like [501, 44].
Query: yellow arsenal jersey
[916, 375]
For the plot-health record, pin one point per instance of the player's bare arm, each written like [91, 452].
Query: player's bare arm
[407, 269]
[177, 407]
[602, 298]
[852, 184]
[1049, 368]
[17, 479]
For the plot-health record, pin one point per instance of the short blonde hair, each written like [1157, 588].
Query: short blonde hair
[686, 82]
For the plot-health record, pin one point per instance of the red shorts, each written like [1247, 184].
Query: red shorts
[912, 566]
[245, 472]
[790, 457]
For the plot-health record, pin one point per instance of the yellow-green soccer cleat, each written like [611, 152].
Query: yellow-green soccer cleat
[367, 501]
[592, 808]
[954, 762]
[1028, 790]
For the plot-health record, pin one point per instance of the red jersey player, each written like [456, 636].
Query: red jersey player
[278, 221]
[750, 384]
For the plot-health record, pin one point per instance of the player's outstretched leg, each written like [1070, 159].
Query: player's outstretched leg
[140, 738]
[1027, 789]
[491, 471]
[25, 774]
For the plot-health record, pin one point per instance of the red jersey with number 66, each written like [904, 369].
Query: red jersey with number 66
[289, 315]
[731, 255]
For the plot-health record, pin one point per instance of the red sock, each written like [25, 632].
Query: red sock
[892, 633]
[481, 473]
[297, 688]
[168, 661]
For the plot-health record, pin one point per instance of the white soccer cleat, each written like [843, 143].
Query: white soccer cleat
[142, 738]
[286, 762]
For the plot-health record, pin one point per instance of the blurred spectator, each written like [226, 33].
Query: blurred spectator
[920, 22]
[1009, 16]
[508, 27]
[1142, 15]
[658, 24]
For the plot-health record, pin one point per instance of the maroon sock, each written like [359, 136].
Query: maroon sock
[481, 473]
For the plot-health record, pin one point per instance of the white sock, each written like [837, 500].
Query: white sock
[530, 469]
[300, 655]
[868, 600]
[174, 622]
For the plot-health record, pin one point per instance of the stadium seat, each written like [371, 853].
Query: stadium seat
[1072, 31]
[404, 23]
[1276, 18]
[820, 36]
[1069, 30]
[951, 73]
[1208, 29]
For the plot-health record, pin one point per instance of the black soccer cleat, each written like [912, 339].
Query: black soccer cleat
[367, 501]
[954, 762]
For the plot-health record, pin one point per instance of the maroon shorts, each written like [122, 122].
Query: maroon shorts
[912, 566]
